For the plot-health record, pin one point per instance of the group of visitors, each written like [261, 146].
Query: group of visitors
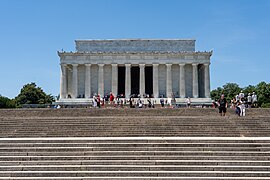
[118, 101]
[239, 103]
[168, 101]
[249, 101]
[134, 101]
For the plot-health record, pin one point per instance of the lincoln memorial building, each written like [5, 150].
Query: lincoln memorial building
[169, 68]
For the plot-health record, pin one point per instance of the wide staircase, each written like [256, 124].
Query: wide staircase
[134, 144]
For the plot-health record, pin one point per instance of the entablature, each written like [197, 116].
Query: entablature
[117, 57]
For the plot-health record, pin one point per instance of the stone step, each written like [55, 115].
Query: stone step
[140, 178]
[140, 149]
[75, 112]
[135, 173]
[131, 157]
[137, 153]
[136, 162]
[130, 144]
[132, 168]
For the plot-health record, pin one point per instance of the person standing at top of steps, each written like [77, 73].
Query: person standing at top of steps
[222, 105]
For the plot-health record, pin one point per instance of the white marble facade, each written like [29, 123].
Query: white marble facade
[176, 69]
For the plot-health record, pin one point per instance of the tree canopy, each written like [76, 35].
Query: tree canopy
[31, 94]
[5, 102]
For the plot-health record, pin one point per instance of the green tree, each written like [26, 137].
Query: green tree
[230, 90]
[250, 89]
[263, 93]
[6, 102]
[31, 94]
[216, 93]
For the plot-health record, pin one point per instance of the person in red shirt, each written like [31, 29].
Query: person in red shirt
[98, 101]
[111, 98]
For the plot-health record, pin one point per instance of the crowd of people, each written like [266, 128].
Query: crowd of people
[239, 103]
[118, 101]
[135, 101]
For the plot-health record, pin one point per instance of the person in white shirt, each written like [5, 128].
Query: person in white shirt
[94, 101]
[169, 102]
[254, 99]
[243, 109]
[249, 100]
[241, 95]
[188, 102]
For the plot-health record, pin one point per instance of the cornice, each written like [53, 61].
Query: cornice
[64, 53]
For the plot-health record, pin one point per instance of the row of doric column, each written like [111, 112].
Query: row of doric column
[114, 88]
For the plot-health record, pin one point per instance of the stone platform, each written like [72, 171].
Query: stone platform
[156, 101]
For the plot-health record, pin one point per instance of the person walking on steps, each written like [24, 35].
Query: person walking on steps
[222, 105]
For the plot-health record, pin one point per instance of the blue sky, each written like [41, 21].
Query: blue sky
[31, 31]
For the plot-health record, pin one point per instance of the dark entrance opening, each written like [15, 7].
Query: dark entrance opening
[149, 80]
[121, 80]
[135, 80]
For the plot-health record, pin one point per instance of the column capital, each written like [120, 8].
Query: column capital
[88, 65]
[75, 65]
[195, 64]
[100, 65]
[127, 65]
[142, 65]
[206, 64]
[114, 65]
[168, 65]
[182, 64]
[155, 65]
[63, 64]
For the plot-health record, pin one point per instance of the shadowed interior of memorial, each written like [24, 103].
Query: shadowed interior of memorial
[149, 78]
[170, 68]
[121, 79]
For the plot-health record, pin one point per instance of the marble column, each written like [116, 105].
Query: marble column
[114, 79]
[182, 82]
[206, 80]
[169, 81]
[63, 83]
[74, 80]
[142, 79]
[87, 87]
[195, 81]
[101, 79]
[128, 81]
[155, 81]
